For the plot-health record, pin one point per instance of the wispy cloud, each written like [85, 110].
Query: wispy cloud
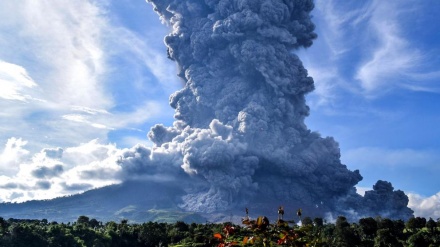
[324, 78]
[67, 63]
[392, 54]
[155, 60]
[60, 46]
[66, 38]
[116, 120]
[364, 49]
[14, 81]
[336, 23]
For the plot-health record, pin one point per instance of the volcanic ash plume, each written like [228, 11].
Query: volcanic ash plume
[239, 134]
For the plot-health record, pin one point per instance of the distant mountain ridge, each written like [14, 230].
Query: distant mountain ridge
[136, 201]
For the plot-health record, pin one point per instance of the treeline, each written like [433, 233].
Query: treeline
[375, 232]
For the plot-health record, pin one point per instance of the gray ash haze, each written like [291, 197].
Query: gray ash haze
[239, 135]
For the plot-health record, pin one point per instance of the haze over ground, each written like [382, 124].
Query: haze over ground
[69, 79]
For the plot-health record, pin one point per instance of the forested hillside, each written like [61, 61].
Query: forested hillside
[259, 232]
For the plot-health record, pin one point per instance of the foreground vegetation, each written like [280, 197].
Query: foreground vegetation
[259, 232]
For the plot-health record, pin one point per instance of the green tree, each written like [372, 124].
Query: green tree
[181, 226]
[24, 234]
[431, 225]
[384, 223]
[83, 220]
[368, 227]
[153, 234]
[385, 238]
[398, 230]
[419, 239]
[93, 223]
[344, 235]
[318, 222]
[111, 226]
[59, 236]
[307, 221]
[415, 223]
[3, 226]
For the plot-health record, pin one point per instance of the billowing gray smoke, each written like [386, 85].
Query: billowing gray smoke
[239, 134]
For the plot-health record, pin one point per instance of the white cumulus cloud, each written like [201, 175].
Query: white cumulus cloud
[55, 172]
[425, 206]
[13, 153]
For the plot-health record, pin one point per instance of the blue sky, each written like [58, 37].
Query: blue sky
[82, 80]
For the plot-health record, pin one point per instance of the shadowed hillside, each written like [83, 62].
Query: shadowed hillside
[134, 200]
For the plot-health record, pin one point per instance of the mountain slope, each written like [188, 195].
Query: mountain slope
[137, 201]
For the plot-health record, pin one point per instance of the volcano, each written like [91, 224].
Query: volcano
[239, 138]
